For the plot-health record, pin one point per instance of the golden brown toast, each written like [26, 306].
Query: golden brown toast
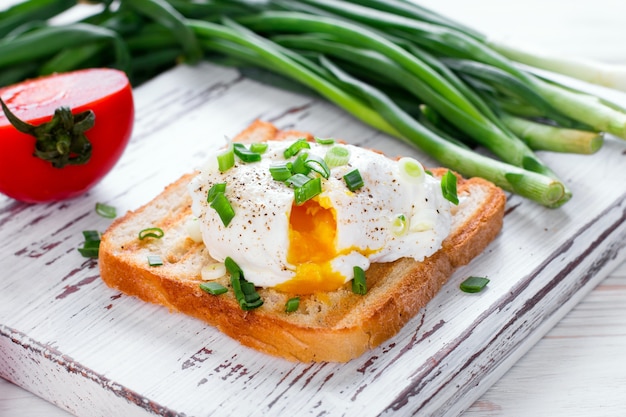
[334, 326]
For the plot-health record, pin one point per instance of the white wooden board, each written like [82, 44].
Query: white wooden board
[67, 337]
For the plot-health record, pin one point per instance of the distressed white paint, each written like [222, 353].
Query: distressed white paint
[83, 350]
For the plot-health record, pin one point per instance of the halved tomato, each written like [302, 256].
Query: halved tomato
[83, 120]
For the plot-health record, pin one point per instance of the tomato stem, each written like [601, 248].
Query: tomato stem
[62, 140]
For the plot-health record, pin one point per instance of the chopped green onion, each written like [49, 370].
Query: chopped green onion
[155, 260]
[92, 235]
[105, 210]
[474, 284]
[90, 251]
[292, 304]
[308, 190]
[226, 159]
[280, 172]
[215, 190]
[213, 288]
[448, 187]
[232, 267]
[245, 293]
[325, 141]
[423, 220]
[250, 296]
[318, 165]
[299, 166]
[213, 271]
[337, 156]
[296, 147]
[353, 180]
[221, 204]
[245, 154]
[258, 147]
[297, 180]
[91, 246]
[399, 226]
[192, 227]
[359, 286]
[410, 169]
[155, 232]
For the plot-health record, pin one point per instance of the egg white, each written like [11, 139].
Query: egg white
[258, 236]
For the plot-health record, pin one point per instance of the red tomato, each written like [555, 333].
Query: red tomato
[106, 92]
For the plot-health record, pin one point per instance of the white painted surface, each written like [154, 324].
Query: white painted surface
[576, 369]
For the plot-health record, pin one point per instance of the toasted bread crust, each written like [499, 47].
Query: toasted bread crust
[336, 326]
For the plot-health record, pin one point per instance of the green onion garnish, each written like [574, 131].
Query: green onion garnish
[399, 226]
[325, 141]
[90, 251]
[213, 271]
[337, 156]
[226, 159]
[91, 246]
[299, 165]
[213, 288]
[92, 235]
[297, 180]
[215, 190]
[155, 260]
[221, 204]
[292, 304]
[353, 180]
[105, 210]
[245, 154]
[258, 147]
[308, 190]
[448, 187]
[280, 172]
[474, 284]
[245, 293]
[154, 232]
[318, 165]
[232, 267]
[411, 169]
[359, 285]
[296, 147]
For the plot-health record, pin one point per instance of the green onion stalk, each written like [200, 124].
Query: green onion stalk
[487, 77]
[541, 136]
[46, 42]
[26, 13]
[612, 76]
[479, 127]
[454, 43]
[607, 75]
[166, 15]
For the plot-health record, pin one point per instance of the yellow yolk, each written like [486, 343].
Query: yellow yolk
[312, 230]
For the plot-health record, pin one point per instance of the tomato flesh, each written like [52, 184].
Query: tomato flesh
[107, 92]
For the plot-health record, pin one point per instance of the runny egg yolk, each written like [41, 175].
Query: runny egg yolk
[312, 231]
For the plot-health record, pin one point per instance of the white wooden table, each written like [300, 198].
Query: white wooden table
[578, 368]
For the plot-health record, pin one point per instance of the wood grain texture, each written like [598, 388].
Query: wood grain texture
[55, 313]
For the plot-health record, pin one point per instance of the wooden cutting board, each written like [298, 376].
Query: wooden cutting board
[68, 338]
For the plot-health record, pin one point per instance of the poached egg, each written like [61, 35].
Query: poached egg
[302, 248]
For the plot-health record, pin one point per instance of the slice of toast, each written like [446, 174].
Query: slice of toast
[333, 326]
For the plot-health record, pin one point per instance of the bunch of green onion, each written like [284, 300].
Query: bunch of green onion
[392, 64]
